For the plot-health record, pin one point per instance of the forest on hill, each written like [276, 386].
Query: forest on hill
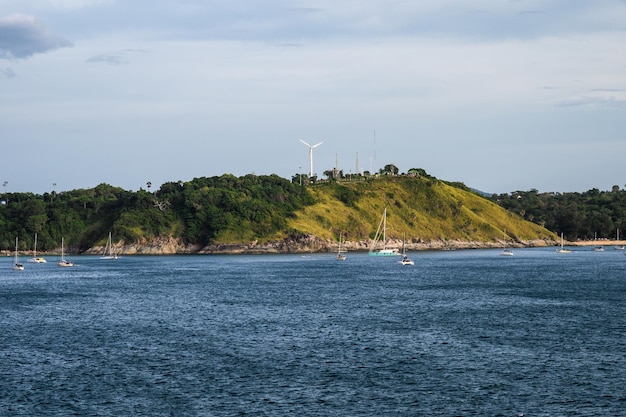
[229, 209]
[579, 216]
[197, 211]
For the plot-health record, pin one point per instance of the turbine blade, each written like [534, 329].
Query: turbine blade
[315, 146]
[305, 143]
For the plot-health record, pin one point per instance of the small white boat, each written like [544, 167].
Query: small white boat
[405, 259]
[597, 248]
[38, 260]
[381, 236]
[561, 249]
[506, 251]
[340, 255]
[108, 250]
[618, 247]
[64, 262]
[35, 259]
[17, 265]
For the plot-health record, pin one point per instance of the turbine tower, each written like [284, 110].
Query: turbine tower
[311, 155]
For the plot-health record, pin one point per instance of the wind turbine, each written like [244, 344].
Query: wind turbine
[311, 155]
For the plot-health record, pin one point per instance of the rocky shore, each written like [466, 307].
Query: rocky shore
[299, 244]
[302, 244]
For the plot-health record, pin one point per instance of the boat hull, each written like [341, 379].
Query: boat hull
[385, 252]
[37, 260]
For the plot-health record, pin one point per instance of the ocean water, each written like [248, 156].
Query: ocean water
[460, 333]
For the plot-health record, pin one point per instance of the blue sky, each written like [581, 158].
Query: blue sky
[501, 95]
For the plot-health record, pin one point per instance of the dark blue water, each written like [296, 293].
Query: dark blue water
[460, 333]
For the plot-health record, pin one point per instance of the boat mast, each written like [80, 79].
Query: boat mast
[385, 228]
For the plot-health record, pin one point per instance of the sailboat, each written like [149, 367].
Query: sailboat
[506, 251]
[340, 255]
[17, 265]
[381, 235]
[562, 249]
[597, 248]
[618, 247]
[405, 259]
[108, 250]
[64, 262]
[35, 259]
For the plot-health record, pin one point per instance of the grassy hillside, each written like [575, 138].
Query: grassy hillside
[419, 208]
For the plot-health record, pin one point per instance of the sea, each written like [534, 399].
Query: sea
[460, 333]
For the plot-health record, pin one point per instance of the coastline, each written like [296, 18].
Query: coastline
[302, 244]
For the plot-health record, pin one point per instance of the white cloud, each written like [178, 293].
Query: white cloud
[50, 5]
[73, 4]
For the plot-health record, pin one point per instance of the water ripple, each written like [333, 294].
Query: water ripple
[462, 333]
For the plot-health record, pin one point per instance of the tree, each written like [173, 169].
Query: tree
[390, 169]
[418, 172]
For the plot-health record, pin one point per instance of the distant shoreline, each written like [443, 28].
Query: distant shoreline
[311, 245]
[597, 242]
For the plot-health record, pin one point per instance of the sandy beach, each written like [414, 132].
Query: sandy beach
[597, 242]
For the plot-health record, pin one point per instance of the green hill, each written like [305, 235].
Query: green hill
[423, 209]
[229, 210]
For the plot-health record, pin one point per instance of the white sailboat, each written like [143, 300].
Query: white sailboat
[381, 237]
[35, 259]
[562, 249]
[340, 255]
[108, 250]
[597, 248]
[405, 259]
[506, 251]
[64, 262]
[17, 265]
[618, 247]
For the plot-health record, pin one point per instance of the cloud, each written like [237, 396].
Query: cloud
[23, 36]
[6, 73]
[305, 10]
[587, 101]
[114, 58]
[531, 12]
[73, 4]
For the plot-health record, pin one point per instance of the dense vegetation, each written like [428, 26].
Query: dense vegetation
[582, 216]
[224, 208]
[229, 209]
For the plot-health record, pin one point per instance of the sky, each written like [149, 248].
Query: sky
[501, 95]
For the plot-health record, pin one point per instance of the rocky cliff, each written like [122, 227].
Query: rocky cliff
[297, 244]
